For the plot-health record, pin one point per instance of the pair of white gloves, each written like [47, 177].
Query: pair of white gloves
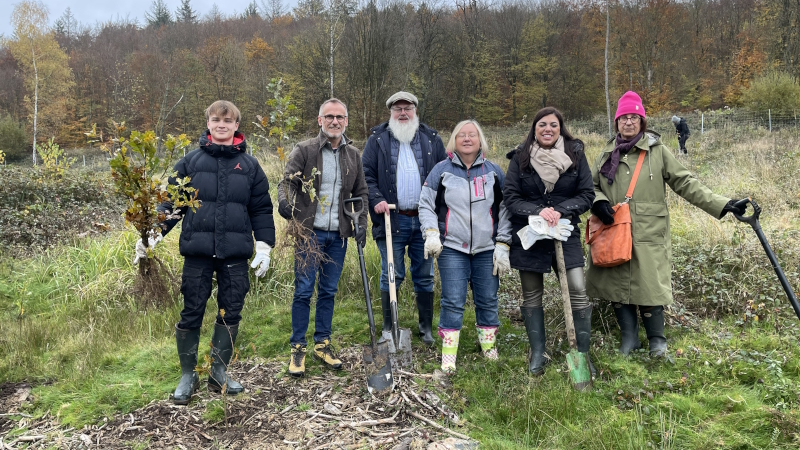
[260, 262]
[539, 229]
[501, 263]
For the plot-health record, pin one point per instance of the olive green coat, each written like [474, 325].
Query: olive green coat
[646, 279]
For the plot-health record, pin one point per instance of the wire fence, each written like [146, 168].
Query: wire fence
[728, 120]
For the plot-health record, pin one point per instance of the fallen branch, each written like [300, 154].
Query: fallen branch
[367, 423]
[33, 438]
[410, 374]
[420, 400]
[439, 427]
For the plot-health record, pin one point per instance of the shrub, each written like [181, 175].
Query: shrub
[778, 91]
[15, 143]
[39, 212]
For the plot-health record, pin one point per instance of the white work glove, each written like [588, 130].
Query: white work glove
[562, 231]
[433, 246]
[538, 225]
[501, 263]
[141, 250]
[528, 237]
[261, 260]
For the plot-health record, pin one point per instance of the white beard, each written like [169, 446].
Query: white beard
[404, 132]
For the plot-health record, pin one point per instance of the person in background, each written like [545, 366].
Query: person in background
[334, 165]
[466, 225]
[683, 133]
[217, 238]
[644, 283]
[549, 179]
[397, 158]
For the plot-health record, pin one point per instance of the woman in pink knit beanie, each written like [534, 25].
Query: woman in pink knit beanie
[645, 282]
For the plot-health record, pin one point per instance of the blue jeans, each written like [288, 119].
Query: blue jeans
[335, 248]
[457, 270]
[421, 269]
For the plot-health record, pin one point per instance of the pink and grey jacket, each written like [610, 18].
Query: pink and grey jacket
[466, 206]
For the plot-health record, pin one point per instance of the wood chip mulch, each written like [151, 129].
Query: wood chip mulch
[332, 410]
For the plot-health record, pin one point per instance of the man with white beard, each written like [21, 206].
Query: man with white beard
[397, 159]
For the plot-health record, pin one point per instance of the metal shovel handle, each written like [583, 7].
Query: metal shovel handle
[353, 214]
[753, 221]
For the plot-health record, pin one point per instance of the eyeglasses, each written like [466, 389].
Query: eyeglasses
[463, 135]
[330, 117]
[403, 108]
[632, 119]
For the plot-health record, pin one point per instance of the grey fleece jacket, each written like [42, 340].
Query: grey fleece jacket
[466, 206]
[330, 186]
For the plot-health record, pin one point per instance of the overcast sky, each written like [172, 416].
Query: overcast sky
[90, 12]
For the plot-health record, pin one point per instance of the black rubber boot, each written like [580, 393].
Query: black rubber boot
[386, 332]
[187, 353]
[582, 319]
[386, 311]
[221, 351]
[628, 327]
[653, 320]
[425, 309]
[534, 327]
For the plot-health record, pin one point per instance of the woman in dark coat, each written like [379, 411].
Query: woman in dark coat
[548, 176]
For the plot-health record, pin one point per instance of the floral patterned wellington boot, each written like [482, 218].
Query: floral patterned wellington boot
[487, 337]
[449, 349]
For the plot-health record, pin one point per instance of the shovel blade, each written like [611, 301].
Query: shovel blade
[579, 372]
[399, 352]
[378, 368]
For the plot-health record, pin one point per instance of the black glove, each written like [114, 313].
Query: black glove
[738, 207]
[285, 210]
[602, 209]
[361, 236]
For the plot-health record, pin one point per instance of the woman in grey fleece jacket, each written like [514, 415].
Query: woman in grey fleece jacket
[462, 200]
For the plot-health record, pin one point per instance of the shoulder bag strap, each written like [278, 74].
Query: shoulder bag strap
[639, 163]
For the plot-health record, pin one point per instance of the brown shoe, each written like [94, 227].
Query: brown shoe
[324, 352]
[297, 362]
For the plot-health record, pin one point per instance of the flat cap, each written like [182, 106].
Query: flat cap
[402, 95]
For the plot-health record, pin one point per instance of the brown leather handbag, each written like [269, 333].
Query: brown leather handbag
[611, 245]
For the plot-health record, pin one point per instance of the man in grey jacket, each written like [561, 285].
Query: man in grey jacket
[333, 165]
[398, 157]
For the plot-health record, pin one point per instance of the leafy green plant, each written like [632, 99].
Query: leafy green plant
[140, 175]
[55, 162]
[775, 90]
[281, 121]
[14, 139]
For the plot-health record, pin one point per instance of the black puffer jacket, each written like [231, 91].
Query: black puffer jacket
[524, 195]
[235, 201]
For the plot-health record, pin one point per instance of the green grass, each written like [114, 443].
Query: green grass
[69, 325]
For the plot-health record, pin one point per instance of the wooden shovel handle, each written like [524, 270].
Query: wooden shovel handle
[562, 278]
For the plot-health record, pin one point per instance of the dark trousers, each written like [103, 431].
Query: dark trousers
[682, 142]
[233, 284]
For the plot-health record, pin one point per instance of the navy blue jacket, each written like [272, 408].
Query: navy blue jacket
[380, 171]
[234, 192]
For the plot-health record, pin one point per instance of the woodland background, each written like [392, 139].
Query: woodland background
[497, 62]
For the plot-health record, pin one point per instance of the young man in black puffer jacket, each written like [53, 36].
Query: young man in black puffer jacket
[218, 237]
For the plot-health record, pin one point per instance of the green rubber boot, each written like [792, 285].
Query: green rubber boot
[188, 341]
[653, 320]
[221, 351]
[534, 327]
[628, 327]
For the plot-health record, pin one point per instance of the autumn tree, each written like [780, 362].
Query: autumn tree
[48, 78]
